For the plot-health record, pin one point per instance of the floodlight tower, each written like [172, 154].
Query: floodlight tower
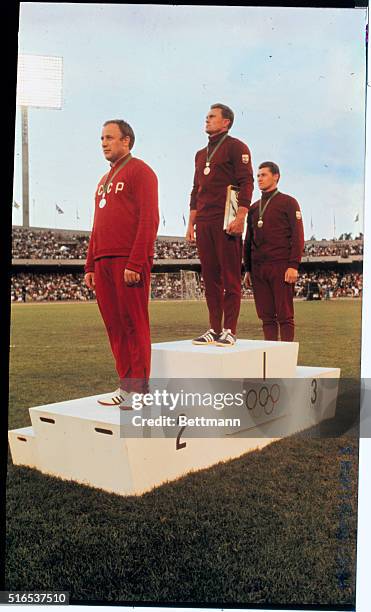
[39, 85]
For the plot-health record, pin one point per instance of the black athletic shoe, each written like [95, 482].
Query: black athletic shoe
[209, 337]
[226, 338]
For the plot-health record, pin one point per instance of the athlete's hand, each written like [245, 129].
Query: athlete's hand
[190, 234]
[247, 280]
[291, 275]
[89, 279]
[131, 277]
[235, 228]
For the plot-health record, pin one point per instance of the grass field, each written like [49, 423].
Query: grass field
[270, 527]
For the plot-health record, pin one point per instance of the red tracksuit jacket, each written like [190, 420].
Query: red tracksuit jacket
[127, 224]
[281, 239]
[231, 165]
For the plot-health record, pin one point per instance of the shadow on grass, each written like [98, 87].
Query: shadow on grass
[263, 528]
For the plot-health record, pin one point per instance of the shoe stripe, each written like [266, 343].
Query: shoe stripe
[226, 338]
[118, 399]
[114, 401]
[208, 336]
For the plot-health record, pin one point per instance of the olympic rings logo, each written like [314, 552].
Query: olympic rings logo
[266, 398]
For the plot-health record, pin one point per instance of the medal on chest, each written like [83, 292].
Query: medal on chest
[260, 222]
[209, 156]
[109, 180]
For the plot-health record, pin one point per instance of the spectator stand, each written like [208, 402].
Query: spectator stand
[48, 266]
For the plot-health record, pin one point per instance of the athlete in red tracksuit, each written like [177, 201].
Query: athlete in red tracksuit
[272, 253]
[225, 161]
[120, 256]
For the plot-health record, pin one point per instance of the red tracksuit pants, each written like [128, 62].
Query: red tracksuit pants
[274, 300]
[124, 310]
[220, 256]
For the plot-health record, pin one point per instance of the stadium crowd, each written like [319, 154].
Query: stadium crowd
[28, 244]
[175, 250]
[49, 287]
[56, 286]
[342, 249]
[331, 284]
[28, 286]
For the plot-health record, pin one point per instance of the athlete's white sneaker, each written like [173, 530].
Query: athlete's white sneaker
[226, 338]
[120, 398]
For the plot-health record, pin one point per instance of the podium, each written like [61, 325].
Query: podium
[99, 446]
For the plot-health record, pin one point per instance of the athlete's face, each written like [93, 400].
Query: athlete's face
[215, 122]
[266, 180]
[114, 144]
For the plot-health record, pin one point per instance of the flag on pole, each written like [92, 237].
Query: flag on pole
[184, 221]
[334, 226]
[311, 224]
[356, 218]
[59, 210]
[77, 215]
[163, 220]
[15, 204]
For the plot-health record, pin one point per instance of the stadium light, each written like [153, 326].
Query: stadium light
[39, 85]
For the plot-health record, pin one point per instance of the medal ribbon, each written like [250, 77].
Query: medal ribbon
[261, 212]
[209, 157]
[110, 178]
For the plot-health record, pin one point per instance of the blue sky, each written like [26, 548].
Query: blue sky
[294, 77]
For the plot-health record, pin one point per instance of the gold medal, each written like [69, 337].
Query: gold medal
[261, 212]
[209, 156]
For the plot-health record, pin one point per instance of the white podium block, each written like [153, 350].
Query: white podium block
[252, 403]
[80, 441]
[313, 394]
[272, 408]
[159, 460]
[246, 359]
[23, 447]
[83, 441]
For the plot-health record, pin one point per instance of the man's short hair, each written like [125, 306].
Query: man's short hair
[125, 129]
[272, 167]
[227, 113]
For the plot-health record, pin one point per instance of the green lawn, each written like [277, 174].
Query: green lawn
[269, 527]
